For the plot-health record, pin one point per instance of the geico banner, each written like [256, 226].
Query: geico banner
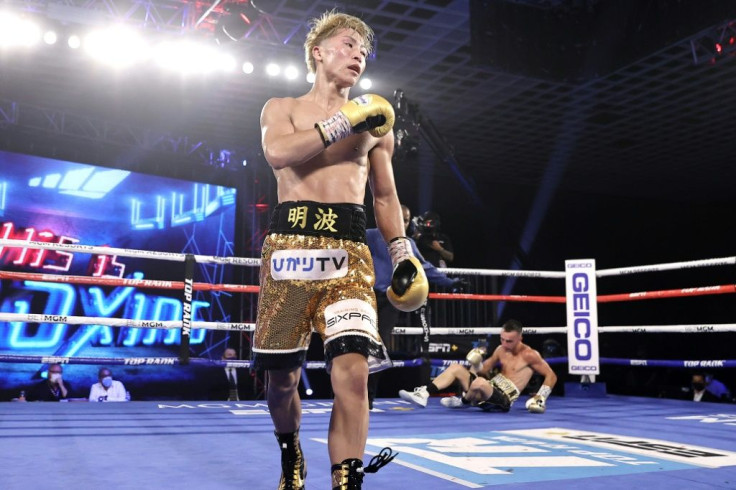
[582, 317]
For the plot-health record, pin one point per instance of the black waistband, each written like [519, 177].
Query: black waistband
[336, 220]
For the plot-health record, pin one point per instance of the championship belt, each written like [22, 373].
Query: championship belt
[505, 385]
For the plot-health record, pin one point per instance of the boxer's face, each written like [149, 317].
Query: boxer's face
[509, 340]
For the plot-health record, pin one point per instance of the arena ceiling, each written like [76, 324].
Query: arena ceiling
[625, 98]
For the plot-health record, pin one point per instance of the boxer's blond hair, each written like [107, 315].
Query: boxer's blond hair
[327, 26]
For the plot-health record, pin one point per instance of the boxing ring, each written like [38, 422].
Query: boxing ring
[597, 441]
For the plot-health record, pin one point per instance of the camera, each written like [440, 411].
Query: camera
[428, 223]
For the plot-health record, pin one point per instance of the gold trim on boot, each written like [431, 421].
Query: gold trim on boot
[292, 462]
[347, 475]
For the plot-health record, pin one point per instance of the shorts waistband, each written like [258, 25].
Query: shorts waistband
[335, 220]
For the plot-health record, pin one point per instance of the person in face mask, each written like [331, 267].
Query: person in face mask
[51, 389]
[229, 383]
[107, 389]
[699, 391]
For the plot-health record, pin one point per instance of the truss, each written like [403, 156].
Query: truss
[51, 121]
[714, 44]
[174, 16]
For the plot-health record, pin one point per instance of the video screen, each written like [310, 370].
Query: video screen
[48, 200]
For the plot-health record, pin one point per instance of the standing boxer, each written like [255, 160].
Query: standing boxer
[316, 271]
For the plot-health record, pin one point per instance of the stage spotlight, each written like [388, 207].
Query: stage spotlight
[16, 31]
[248, 67]
[74, 41]
[227, 63]
[273, 69]
[50, 37]
[291, 72]
[366, 83]
[117, 46]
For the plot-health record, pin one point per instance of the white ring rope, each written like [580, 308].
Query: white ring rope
[622, 271]
[121, 322]
[256, 262]
[501, 272]
[127, 252]
[249, 327]
[705, 328]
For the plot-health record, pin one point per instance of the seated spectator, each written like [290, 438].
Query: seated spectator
[717, 388]
[699, 392]
[107, 389]
[51, 389]
[228, 383]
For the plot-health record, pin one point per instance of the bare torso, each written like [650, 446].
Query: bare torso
[338, 174]
[515, 366]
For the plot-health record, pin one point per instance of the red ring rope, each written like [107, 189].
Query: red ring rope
[118, 281]
[239, 288]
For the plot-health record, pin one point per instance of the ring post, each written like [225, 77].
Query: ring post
[186, 310]
[582, 327]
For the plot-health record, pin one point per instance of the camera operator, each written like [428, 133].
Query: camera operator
[435, 246]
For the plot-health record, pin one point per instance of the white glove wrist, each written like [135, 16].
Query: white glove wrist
[400, 249]
[334, 128]
[544, 391]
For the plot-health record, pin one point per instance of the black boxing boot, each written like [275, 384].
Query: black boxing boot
[349, 474]
[293, 465]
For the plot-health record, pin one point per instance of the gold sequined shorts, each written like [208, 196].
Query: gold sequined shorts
[320, 284]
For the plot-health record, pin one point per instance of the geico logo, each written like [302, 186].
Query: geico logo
[583, 368]
[332, 321]
[581, 328]
[580, 282]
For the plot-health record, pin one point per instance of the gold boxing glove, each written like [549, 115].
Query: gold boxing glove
[475, 358]
[368, 112]
[409, 287]
[538, 402]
